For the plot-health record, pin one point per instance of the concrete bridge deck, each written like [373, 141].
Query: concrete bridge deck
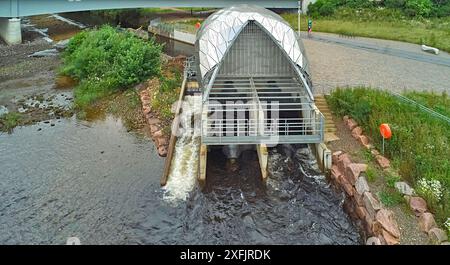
[20, 8]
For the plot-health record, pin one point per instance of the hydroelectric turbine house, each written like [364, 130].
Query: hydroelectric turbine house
[253, 77]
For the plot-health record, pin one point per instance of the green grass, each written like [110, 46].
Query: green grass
[435, 101]
[9, 121]
[371, 174]
[420, 145]
[433, 32]
[390, 198]
[167, 93]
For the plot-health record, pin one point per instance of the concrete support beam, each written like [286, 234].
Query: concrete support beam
[10, 30]
[323, 156]
[263, 155]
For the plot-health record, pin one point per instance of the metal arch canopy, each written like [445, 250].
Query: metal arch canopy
[219, 31]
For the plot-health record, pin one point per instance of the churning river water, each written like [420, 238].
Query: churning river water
[100, 183]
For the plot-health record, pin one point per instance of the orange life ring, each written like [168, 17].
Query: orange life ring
[385, 131]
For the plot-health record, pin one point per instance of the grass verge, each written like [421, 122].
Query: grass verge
[369, 23]
[420, 144]
[9, 120]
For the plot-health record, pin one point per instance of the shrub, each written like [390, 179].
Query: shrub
[322, 8]
[418, 7]
[104, 60]
[394, 3]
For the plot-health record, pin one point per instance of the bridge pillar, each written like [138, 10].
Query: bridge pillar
[10, 30]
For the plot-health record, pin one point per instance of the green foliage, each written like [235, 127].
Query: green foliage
[418, 7]
[322, 8]
[391, 179]
[167, 94]
[390, 198]
[394, 3]
[10, 120]
[105, 60]
[420, 141]
[371, 174]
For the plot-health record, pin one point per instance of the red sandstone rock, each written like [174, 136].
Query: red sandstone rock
[426, 222]
[418, 205]
[153, 121]
[335, 173]
[371, 203]
[335, 157]
[343, 162]
[351, 124]
[363, 140]
[383, 161]
[162, 141]
[373, 241]
[361, 212]
[162, 151]
[356, 132]
[153, 128]
[348, 189]
[387, 221]
[146, 110]
[157, 134]
[390, 240]
[353, 170]
[345, 119]
[373, 227]
[374, 152]
[358, 199]
[437, 235]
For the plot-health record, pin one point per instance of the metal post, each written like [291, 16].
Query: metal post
[299, 12]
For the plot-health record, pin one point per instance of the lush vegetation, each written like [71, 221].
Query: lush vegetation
[419, 147]
[383, 23]
[436, 102]
[411, 8]
[106, 60]
[9, 120]
[165, 91]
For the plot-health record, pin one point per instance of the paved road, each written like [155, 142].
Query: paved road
[342, 61]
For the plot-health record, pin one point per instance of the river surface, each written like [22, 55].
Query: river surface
[99, 182]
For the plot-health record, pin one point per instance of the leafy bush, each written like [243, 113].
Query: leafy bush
[104, 60]
[322, 8]
[394, 3]
[418, 7]
[441, 10]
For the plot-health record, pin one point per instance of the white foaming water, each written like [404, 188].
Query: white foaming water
[184, 169]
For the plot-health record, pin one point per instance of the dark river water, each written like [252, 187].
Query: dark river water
[98, 182]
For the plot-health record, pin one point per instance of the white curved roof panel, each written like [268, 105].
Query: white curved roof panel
[220, 29]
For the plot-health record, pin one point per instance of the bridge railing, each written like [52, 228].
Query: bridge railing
[308, 129]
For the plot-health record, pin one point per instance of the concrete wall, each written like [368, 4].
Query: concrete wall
[184, 37]
[10, 30]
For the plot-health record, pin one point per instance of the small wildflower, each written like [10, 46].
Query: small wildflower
[431, 188]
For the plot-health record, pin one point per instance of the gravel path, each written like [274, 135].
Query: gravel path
[334, 64]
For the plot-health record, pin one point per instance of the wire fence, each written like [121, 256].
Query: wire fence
[420, 106]
[171, 27]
